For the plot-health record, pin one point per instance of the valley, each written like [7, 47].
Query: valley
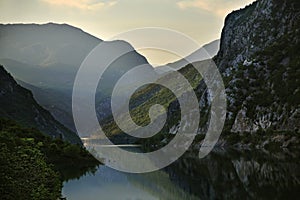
[45, 155]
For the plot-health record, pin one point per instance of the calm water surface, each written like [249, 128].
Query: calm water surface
[223, 174]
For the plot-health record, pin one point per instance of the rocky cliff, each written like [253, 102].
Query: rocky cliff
[259, 62]
[260, 65]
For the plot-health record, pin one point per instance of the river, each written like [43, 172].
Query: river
[223, 174]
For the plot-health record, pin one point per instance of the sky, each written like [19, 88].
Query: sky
[202, 20]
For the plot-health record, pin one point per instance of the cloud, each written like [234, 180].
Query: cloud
[219, 7]
[83, 4]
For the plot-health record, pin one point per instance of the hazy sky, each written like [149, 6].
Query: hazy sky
[200, 19]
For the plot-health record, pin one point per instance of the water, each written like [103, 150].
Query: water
[223, 174]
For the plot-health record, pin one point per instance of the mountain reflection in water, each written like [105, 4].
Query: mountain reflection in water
[223, 174]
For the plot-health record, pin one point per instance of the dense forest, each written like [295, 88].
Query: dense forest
[33, 165]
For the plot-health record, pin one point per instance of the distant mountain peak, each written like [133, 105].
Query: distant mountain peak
[51, 25]
[48, 56]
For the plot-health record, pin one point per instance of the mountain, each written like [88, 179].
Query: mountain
[259, 62]
[45, 45]
[17, 103]
[213, 47]
[208, 51]
[45, 59]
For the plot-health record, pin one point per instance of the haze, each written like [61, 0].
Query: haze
[202, 20]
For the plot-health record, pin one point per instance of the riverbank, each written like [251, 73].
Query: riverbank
[33, 165]
[269, 140]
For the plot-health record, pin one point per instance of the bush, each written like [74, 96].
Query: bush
[24, 174]
[30, 163]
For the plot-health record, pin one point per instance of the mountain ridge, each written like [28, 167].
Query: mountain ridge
[17, 103]
[211, 50]
[64, 48]
[260, 69]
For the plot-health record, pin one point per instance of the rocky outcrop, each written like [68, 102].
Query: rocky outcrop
[254, 28]
[259, 63]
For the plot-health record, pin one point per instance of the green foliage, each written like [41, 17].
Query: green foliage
[31, 162]
[24, 173]
[147, 96]
[270, 85]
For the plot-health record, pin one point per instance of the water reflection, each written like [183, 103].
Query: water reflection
[70, 173]
[232, 174]
[223, 174]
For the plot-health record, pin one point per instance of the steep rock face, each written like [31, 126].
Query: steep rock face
[260, 64]
[18, 104]
[254, 28]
